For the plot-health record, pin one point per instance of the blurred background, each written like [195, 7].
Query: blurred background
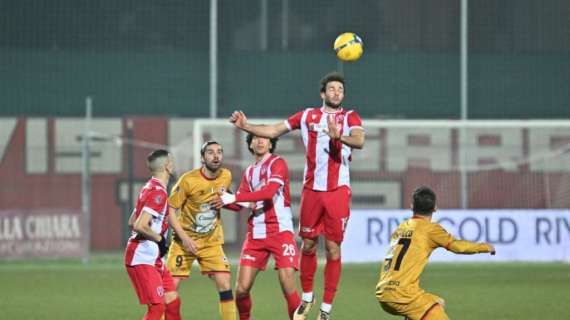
[472, 102]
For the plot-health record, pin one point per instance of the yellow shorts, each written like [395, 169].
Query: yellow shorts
[210, 259]
[425, 307]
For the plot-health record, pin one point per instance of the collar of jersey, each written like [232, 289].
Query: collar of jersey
[159, 182]
[325, 111]
[206, 177]
[260, 162]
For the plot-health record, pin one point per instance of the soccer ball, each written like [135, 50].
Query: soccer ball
[348, 47]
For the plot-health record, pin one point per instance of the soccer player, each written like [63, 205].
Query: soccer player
[329, 134]
[398, 289]
[265, 183]
[191, 196]
[147, 245]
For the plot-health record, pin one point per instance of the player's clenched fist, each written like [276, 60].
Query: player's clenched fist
[239, 119]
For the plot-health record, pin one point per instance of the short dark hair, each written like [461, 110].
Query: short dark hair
[333, 76]
[424, 200]
[159, 153]
[206, 144]
[249, 139]
[152, 160]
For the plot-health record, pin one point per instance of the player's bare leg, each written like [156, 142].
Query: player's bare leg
[308, 269]
[245, 279]
[227, 303]
[332, 277]
[287, 281]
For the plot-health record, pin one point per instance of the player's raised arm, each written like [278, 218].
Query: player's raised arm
[442, 238]
[355, 138]
[239, 120]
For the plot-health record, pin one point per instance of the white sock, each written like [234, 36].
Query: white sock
[326, 307]
[307, 296]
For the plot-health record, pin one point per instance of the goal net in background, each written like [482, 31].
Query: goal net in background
[471, 164]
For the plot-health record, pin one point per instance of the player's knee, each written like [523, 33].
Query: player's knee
[332, 250]
[309, 246]
[287, 280]
[222, 280]
[242, 289]
[170, 296]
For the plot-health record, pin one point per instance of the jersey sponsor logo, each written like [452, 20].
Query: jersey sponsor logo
[307, 229]
[205, 221]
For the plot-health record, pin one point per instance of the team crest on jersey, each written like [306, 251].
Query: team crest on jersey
[222, 189]
[157, 199]
[160, 291]
[340, 118]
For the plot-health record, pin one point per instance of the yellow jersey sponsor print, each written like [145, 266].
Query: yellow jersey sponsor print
[410, 247]
[191, 195]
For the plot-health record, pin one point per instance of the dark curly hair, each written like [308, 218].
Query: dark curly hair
[333, 76]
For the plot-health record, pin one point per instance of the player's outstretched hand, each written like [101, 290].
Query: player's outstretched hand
[239, 119]
[492, 249]
[216, 203]
[162, 247]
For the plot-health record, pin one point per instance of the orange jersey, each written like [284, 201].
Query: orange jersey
[192, 194]
[410, 247]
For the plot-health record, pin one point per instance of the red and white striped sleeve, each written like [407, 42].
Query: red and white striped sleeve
[294, 121]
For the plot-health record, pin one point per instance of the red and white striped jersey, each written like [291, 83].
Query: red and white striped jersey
[327, 161]
[152, 199]
[271, 216]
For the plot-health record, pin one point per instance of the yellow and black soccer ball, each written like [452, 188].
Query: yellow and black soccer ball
[348, 46]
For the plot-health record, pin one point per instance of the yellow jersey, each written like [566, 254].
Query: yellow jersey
[410, 247]
[191, 195]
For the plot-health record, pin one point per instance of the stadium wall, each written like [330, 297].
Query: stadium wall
[40, 165]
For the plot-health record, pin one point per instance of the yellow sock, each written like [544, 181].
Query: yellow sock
[227, 305]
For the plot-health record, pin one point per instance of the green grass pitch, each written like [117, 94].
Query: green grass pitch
[101, 290]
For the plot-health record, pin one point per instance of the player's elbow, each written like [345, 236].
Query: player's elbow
[359, 144]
